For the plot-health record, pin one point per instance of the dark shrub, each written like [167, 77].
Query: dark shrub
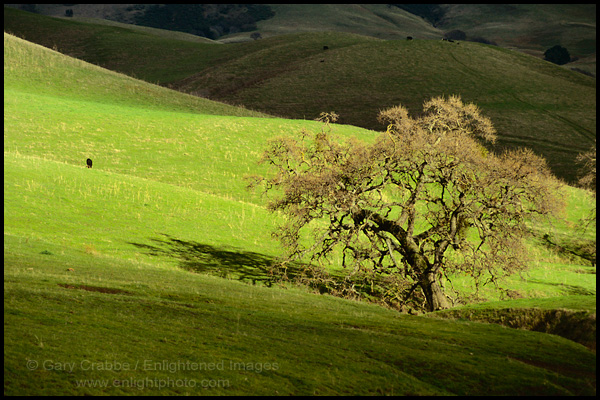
[557, 55]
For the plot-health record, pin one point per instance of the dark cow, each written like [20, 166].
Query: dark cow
[89, 163]
[325, 47]
[409, 38]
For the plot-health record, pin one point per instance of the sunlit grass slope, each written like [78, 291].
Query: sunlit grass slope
[139, 137]
[27, 68]
[102, 293]
[120, 48]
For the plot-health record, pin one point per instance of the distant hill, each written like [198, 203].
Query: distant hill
[382, 21]
[529, 27]
[207, 20]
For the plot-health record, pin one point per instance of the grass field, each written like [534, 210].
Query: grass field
[113, 276]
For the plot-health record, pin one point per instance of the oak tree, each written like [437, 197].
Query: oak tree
[421, 202]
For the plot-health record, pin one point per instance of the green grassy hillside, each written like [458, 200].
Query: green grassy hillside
[124, 48]
[533, 28]
[529, 28]
[113, 275]
[376, 20]
[532, 103]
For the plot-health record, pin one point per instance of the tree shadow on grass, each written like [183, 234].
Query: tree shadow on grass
[246, 266]
[580, 249]
[226, 262]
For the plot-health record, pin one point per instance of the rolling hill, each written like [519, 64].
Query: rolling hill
[532, 103]
[530, 28]
[113, 276]
[374, 20]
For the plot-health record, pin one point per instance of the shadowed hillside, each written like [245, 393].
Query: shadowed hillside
[530, 28]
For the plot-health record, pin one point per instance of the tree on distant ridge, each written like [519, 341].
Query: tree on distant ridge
[422, 203]
[557, 55]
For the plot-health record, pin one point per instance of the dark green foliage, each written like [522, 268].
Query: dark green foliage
[557, 55]
[208, 20]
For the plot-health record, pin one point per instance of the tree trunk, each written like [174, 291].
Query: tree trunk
[436, 299]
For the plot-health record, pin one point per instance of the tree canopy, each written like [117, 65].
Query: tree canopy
[557, 55]
[424, 201]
